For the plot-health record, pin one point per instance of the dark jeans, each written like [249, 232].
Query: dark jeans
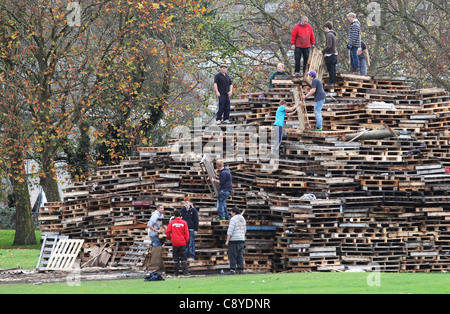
[299, 52]
[224, 107]
[331, 62]
[179, 254]
[236, 254]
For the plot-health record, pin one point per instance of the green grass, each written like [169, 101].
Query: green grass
[283, 283]
[7, 240]
[18, 256]
[278, 283]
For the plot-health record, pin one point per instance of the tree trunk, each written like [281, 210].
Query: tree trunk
[49, 181]
[25, 234]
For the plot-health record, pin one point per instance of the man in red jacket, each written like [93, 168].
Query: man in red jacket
[178, 232]
[302, 37]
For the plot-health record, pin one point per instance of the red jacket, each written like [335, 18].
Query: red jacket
[302, 36]
[178, 232]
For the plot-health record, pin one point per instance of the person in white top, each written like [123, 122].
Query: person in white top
[236, 241]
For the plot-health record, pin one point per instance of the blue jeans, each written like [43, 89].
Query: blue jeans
[318, 112]
[190, 246]
[155, 241]
[354, 59]
[222, 210]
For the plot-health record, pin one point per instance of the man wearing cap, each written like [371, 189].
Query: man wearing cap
[223, 87]
[354, 42]
[319, 98]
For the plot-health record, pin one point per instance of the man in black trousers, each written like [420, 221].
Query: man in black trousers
[223, 87]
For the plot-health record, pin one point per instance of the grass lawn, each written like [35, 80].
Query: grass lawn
[281, 283]
[18, 256]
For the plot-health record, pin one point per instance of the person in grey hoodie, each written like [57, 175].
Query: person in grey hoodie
[330, 53]
[236, 241]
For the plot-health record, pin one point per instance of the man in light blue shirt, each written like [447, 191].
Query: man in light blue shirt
[282, 110]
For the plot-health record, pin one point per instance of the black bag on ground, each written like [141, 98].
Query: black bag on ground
[153, 276]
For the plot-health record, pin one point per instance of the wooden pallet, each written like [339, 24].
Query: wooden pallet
[64, 254]
[135, 254]
[47, 248]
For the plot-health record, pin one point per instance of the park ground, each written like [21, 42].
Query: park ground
[271, 283]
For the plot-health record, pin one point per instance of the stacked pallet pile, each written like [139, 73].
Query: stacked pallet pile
[331, 202]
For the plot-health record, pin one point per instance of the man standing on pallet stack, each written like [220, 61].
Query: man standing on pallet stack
[354, 42]
[178, 232]
[223, 86]
[225, 189]
[280, 115]
[302, 38]
[319, 99]
[330, 53]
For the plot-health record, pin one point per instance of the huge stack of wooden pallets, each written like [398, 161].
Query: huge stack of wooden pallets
[327, 204]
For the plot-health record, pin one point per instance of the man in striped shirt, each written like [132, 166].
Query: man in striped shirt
[354, 42]
[236, 241]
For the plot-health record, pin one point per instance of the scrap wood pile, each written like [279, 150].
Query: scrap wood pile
[370, 192]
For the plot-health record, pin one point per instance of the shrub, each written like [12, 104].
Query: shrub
[7, 217]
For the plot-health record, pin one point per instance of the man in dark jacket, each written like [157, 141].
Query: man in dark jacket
[190, 215]
[330, 53]
[225, 189]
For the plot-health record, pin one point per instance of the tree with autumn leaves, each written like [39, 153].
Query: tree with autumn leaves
[86, 82]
